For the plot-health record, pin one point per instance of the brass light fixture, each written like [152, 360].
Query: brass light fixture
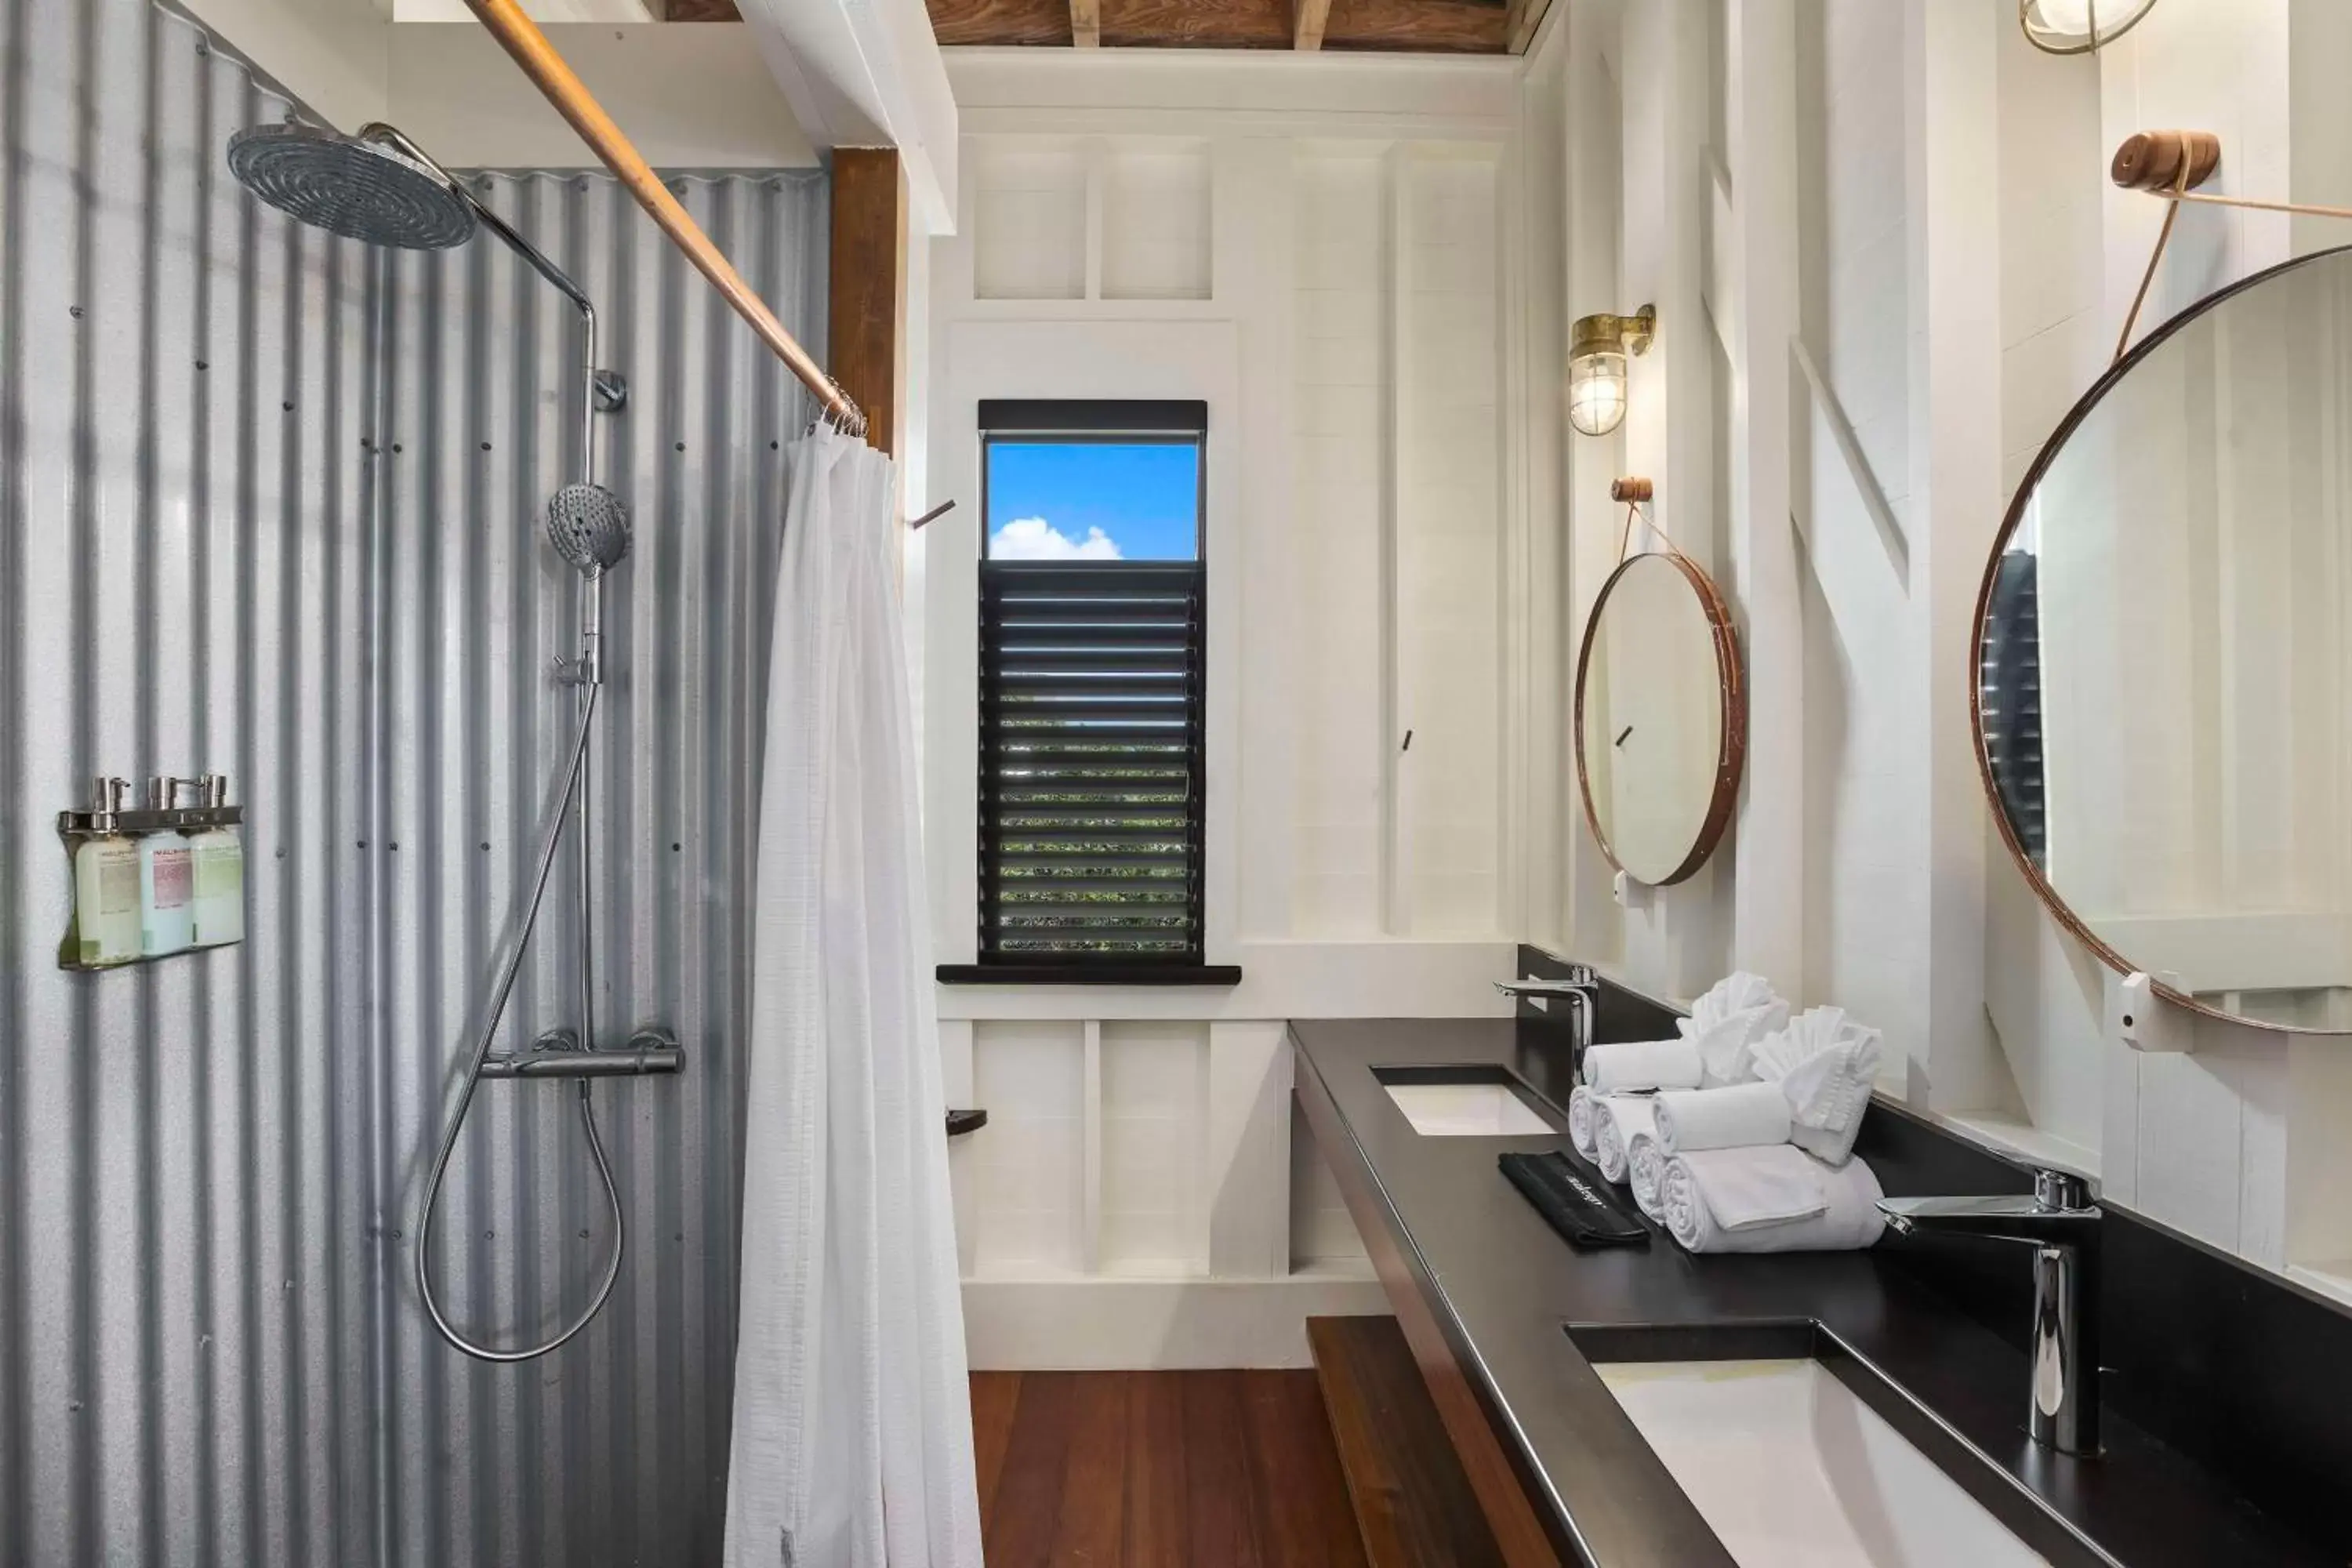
[1596, 366]
[2078, 27]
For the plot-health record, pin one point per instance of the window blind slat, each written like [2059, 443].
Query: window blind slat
[1091, 695]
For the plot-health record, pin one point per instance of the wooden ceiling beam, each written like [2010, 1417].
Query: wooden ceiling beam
[1445, 27]
[1085, 24]
[1311, 16]
[1519, 27]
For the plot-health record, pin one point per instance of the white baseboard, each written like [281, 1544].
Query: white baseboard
[1097, 1324]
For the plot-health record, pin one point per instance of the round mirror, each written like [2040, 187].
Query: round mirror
[2163, 690]
[1660, 723]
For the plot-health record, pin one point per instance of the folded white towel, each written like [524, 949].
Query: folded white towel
[1745, 1188]
[1824, 1063]
[1584, 1119]
[1642, 1064]
[1622, 1116]
[1646, 1171]
[1736, 1117]
[1849, 1218]
[1726, 1023]
[1734, 993]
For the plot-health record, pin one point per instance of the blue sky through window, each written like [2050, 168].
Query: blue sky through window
[1093, 501]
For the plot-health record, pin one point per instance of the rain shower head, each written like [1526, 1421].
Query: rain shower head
[588, 526]
[361, 190]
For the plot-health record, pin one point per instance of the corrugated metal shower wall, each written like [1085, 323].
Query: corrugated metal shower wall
[187, 1291]
[613, 1450]
[270, 507]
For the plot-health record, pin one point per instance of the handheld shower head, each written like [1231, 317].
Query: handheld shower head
[588, 526]
[361, 190]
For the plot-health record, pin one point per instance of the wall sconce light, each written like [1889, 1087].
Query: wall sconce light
[2078, 27]
[1596, 366]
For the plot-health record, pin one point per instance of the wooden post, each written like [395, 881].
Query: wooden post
[866, 342]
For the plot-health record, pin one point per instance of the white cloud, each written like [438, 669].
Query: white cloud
[1034, 539]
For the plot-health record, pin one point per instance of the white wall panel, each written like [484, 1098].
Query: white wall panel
[1033, 1196]
[1028, 207]
[1154, 1129]
[1342, 423]
[1156, 222]
[1449, 604]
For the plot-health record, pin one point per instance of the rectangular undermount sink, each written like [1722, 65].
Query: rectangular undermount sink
[1792, 1467]
[1463, 1102]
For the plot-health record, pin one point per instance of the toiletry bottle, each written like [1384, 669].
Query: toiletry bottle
[218, 851]
[106, 885]
[166, 887]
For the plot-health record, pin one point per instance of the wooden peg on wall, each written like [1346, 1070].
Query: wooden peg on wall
[2152, 160]
[1629, 489]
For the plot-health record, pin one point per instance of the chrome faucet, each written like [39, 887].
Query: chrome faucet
[1577, 987]
[2061, 1223]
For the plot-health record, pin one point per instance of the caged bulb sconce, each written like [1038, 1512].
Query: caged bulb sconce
[2078, 27]
[1596, 366]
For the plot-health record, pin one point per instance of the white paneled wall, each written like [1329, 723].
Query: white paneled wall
[2053, 332]
[1343, 425]
[1322, 1233]
[1034, 1193]
[1446, 639]
[1156, 232]
[1864, 817]
[1031, 194]
[1153, 1123]
[1960, 271]
[1334, 284]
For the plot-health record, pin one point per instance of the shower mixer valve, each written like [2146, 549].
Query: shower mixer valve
[652, 1051]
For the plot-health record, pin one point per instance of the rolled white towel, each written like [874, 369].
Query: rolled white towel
[1583, 1115]
[1726, 1023]
[1849, 1218]
[1736, 1117]
[1642, 1064]
[1646, 1171]
[1825, 1064]
[1622, 1117]
[1746, 1187]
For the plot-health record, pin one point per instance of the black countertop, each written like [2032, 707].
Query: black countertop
[1502, 1286]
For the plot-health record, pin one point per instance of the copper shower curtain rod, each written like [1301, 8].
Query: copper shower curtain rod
[523, 39]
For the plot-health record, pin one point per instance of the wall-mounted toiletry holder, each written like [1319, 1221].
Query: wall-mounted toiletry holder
[155, 881]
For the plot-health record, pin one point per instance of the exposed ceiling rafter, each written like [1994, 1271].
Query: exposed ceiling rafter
[1307, 29]
[1440, 27]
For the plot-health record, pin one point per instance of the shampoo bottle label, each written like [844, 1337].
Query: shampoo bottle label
[174, 882]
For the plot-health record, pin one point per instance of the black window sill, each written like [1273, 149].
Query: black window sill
[1090, 975]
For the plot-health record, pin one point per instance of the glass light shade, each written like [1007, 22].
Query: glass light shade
[2078, 27]
[1596, 391]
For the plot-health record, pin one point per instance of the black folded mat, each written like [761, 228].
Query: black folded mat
[1574, 1202]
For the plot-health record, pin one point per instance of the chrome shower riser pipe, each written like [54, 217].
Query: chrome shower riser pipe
[382, 189]
[574, 800]
[575, 780]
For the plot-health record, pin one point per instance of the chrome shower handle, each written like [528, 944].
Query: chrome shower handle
[649, 1053]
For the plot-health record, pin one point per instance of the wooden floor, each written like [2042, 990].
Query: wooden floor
[1160, 1469]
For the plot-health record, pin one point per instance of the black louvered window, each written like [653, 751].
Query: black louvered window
[2009, 701]
[1092, 618]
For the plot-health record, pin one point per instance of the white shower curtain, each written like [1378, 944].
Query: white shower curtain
[853, 1423]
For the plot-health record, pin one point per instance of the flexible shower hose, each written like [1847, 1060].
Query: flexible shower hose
[482, 1042]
